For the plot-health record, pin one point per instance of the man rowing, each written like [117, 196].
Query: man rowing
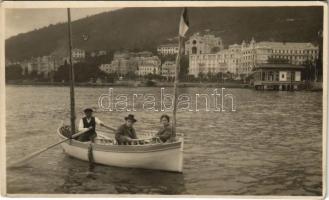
[89, 122]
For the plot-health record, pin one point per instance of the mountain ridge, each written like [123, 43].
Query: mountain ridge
[138, 29]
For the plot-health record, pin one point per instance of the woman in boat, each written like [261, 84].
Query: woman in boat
[165, 131]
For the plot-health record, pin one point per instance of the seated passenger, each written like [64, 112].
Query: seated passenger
[165, 131]
[126, 131]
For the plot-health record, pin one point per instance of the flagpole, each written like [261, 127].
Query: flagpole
[72, 100]
[183, 27]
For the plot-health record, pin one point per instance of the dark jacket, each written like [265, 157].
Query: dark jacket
[124, 132]
[164, 133]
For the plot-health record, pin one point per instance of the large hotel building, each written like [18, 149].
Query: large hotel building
[241, 59]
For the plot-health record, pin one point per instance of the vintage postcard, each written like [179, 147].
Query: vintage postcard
[157, 99]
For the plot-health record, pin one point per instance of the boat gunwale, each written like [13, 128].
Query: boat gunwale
[145, 148]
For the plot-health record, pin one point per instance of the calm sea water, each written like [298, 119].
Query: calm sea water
[271, 145]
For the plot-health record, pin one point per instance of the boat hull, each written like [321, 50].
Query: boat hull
[165, 156]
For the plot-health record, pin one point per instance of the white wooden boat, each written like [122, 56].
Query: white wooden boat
[144, 153]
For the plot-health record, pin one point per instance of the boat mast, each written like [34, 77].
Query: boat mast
[72, 101]
[177, 69]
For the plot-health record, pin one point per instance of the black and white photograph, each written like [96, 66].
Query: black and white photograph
[164, 99]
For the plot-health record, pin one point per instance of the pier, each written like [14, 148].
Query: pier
[278, 77]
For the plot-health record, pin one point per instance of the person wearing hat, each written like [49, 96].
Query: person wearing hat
[126, 131]
[89, 122]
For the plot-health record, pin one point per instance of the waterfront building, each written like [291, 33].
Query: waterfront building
[142, 54]
[107, 68]
[248, 53]
[278, 77]
[167, 49]
[43, 65]
[9, 62]
[78, 55]
[97, 53]
[148, 65]
[140, 63]
[168, 69]
[241, 60]
[208, 63]
[233, 58]
[121, 63]
[295, 53]
[256, 53]
[203, 44]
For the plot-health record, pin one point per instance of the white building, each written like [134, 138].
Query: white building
[107, 68]
[242, 59]
[44, 65]
[78, 55]
[148, 65]
[123, 63]
[98, 53]
[140, 63]
[295, 53]
[9, 62]
[203, 44]
[208, 63]
[167, 49]
[253, 54]
[168, 69]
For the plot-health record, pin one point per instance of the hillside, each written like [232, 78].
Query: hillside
[145, 28]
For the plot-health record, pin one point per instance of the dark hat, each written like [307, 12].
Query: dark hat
[131, 117]
[88, 110]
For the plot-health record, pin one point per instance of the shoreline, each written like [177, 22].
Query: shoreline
[131, 84]
[135, 84]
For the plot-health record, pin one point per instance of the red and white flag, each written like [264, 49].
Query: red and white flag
[184, 23]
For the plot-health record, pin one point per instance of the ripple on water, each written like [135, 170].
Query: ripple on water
[272, 145]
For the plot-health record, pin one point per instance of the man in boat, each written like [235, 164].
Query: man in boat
[126, 131]
[89, 121]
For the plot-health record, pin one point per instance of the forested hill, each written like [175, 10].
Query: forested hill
[145, 28]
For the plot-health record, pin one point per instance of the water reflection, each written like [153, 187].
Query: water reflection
[81, 178]
[272, 145]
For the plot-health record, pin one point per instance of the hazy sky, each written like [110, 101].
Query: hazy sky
[24, 20]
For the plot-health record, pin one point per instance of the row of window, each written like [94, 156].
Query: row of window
[296, 51]
[168, 49]
[193, 58]
[294, 57]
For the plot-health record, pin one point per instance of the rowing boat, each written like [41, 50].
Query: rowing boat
[145, 153]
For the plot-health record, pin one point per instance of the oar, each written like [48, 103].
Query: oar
[109, 127]
[29, 157]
